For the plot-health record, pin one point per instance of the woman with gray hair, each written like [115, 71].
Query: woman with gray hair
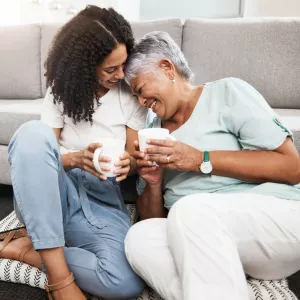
[222, 200]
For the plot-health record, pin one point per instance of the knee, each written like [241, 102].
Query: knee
[140, 240]
[129, 287]
[134, 241]
[30, 138]
[119, 281]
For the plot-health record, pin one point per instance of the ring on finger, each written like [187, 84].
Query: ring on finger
[168, 159]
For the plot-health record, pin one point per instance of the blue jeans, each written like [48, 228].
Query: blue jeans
[75, 210]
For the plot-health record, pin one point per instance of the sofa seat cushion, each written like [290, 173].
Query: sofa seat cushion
[14, 113]
[19, 272]
[291, 118]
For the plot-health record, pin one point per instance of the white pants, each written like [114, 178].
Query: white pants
[209, 241]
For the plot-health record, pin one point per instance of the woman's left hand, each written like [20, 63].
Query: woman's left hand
[174, 155]
[124, 165]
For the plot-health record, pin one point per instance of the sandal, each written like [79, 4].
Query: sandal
[12, 235]
[19, 232]
[58, 286]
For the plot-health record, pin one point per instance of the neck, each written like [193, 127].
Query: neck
[187, 97]
[102, 91]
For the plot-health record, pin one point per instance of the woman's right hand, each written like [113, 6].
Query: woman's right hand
[84, 160]
[152, 174]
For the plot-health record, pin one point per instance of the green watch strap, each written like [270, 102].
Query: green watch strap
[206, 156]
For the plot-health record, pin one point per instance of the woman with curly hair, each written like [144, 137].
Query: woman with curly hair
[75, 217]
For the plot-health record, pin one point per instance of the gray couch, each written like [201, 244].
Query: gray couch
[264, 52]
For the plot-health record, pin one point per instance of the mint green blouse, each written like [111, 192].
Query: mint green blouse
[230, 115]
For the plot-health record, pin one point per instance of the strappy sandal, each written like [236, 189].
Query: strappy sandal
[58, 286]
[19, 232]
[12, 235]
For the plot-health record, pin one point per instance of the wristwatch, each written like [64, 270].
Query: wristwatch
[206, 166]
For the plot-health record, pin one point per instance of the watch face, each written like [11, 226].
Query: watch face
[206, 167]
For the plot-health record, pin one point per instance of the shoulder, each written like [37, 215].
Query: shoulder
[135, 114]
[49, 100]
[235, 91]
[229, 83]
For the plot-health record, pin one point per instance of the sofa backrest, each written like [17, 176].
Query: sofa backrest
[20, 75]
[172, 26]
[263, 51]
[24, 49]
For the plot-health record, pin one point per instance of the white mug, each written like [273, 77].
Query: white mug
[112, 148]
[154, 134]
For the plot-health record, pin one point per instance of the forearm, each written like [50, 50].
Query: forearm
[150, 204]
[256, 166]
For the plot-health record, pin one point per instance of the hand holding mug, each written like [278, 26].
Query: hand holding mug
[174, 155]
[122, 166]
[119, 163]
[152, 174]
[84, 160]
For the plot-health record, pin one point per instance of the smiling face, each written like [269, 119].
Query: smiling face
[111, 70]
[156, 91]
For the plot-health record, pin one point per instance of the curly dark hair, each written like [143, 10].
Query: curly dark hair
[78, 48]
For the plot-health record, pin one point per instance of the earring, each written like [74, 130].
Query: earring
[173, 80]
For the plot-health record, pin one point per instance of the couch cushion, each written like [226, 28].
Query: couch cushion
[14, 113]
[14, 271]
[48, 31]
[172, 26]
[262, 51]
[20, 61]
[5, 177]
[291, 118]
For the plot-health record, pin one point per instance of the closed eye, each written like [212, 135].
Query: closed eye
[110, 70]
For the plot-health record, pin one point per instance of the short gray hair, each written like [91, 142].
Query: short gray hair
[150, 50]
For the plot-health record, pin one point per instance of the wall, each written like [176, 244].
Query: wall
[278, 8]
[25, 11]
[159, 9]
[9, 13]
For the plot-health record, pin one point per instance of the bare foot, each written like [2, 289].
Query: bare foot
[70, 292]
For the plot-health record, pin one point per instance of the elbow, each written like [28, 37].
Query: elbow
[294, 181]
[294, 177]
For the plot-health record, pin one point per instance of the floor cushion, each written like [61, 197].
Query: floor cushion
[14, 271]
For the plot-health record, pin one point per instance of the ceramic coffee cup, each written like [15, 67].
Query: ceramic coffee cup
[154, 134]
[112, 148]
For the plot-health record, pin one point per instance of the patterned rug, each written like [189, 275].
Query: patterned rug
[18, 272]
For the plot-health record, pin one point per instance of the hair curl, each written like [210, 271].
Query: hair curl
[78, 48]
